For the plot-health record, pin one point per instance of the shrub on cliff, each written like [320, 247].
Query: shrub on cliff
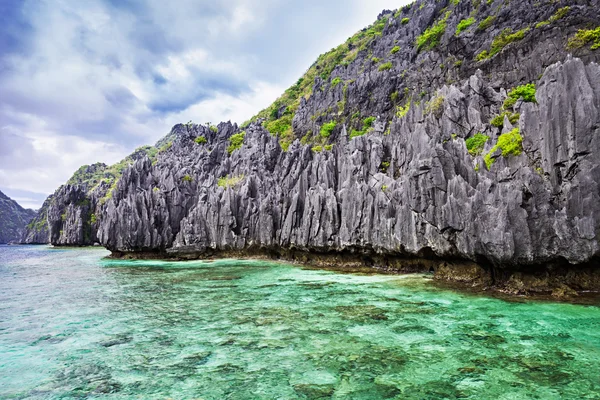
[498, 120]
[327, 129]
[502, 40]
[227, 181]
[366, 127]
[510, 143]
[476, 143]
[236, 142]
[429, 39]
[385, 66]
[525, 92]
[401, 111]
[464, 24]
[585, 36]
[486, 23]
[435, 106]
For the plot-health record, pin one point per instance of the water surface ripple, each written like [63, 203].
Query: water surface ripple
[74, 325]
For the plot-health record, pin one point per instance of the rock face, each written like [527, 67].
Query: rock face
[395, 182]
[13, 219]
[36, 231]
[69, 217]
[539, 206]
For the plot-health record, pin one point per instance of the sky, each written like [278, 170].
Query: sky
[89, 81]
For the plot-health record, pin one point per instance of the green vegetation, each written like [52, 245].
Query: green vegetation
[278, 117]
[498, 120]
[87, 174]
[236, 142]
[366, 127]
[525, 92]
[109, 193]
[96, 175]
[93, 218]
[395, 49]
[486, 23]
[383, 188]
[560, 14]
[405, 21]
[394, 96]
[432, 35]
[38, 223]
[584, 37]
[402, 111]
[317, 149]
[165, 147]
[464, 24]
[510, 143]
[329, 147]
[155, 189]
[541, 24]
[484, 55]
[435, 106]
[385, 66]
[505, 38]
[476, 143]
[201, 140]
[375, 60]
[228, 181]
[282, 128]
[187, 178]
[501, 41]
[213, 128]
[336, 81]
[384, 166]
[327, 129]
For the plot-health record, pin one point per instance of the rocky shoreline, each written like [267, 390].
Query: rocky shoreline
[413, 146]
[558, 281]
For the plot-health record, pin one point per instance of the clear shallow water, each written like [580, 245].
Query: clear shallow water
[73, 325]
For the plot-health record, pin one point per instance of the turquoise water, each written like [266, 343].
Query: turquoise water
[73, 325]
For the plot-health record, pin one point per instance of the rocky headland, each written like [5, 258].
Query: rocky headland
[460, 137]
[13, 219]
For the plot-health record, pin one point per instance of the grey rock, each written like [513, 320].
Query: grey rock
[409, 187]
[13, 219]
[429, 202]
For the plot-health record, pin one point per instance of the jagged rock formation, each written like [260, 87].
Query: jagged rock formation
[13, 219]
[36, 231]
[397, 149]
[69, 217]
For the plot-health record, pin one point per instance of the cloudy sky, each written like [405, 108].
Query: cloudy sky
[83, 81]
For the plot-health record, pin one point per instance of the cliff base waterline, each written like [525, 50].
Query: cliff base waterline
[557, 279]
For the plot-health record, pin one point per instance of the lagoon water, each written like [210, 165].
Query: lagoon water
[76, 325]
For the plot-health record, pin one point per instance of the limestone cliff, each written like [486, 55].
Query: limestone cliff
[13, 219]
[449, 134]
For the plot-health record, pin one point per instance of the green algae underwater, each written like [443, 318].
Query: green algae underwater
[76, 325]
